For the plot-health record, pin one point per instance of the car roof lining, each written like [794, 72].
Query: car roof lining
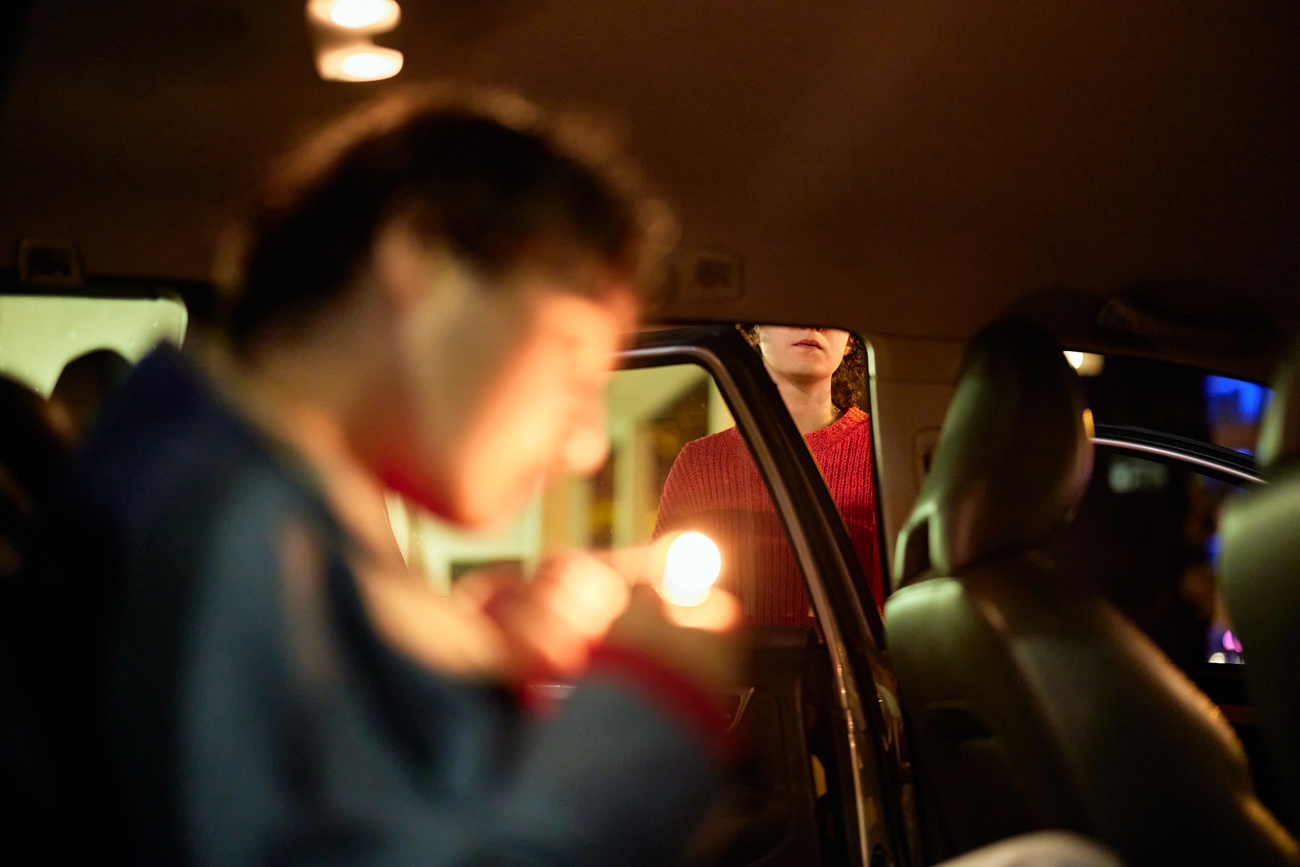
[900, 168]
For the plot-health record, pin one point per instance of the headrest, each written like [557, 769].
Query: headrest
[1013, 457]
[1279, 432]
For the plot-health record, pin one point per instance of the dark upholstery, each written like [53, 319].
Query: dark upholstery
[1032, 703]
[1012, 460]
[1259, 571]
[32, 781]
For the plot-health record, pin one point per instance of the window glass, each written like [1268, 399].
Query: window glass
[1145, 536]
[40, 334]
[1234, 409]
[1172, 399]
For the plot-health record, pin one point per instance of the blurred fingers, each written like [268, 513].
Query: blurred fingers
[719, 612]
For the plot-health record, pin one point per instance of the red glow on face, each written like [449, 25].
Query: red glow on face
[402, 481]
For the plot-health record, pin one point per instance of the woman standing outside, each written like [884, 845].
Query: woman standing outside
[715, 487]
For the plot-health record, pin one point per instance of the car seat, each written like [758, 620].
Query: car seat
[1032, 703]
[1259, 569]
[32, 778]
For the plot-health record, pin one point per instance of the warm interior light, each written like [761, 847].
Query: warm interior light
[361, 62]
[361, 14]
[374, 16]
[372, 65]
[692, 566]
[1087, 363]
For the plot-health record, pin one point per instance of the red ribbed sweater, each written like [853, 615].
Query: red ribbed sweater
[714, 487]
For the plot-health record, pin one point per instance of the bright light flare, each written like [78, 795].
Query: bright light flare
[373, 16]
[692, 567]
[372, 65]
[1087, 363]
[364, 62]
[360, 14]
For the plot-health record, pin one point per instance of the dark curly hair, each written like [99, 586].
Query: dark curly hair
[848, 383]
[485, 174]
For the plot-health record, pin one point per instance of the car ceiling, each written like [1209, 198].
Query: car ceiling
[905, 167]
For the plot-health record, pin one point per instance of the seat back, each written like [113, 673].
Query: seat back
[34, 778]
[1032, 703]
[1259, 568]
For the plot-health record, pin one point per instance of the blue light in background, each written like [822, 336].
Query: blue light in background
[1230, 401]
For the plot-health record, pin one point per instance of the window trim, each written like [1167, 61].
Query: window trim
[1217, 461]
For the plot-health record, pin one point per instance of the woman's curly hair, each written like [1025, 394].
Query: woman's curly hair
[849, 382]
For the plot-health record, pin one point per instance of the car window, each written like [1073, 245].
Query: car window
[1173, 399]
[1145, 535]
[40, 334]
[1146, 531]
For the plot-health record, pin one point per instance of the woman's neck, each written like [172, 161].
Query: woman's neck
[809, 403]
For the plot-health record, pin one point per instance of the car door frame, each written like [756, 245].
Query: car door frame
[883, 819]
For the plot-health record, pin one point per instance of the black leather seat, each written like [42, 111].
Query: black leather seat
[1032, 703]
[1259, 570]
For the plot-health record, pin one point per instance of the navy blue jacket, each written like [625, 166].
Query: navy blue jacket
[245, 712]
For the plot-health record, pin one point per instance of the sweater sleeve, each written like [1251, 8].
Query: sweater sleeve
[680, 490]
[847, 468]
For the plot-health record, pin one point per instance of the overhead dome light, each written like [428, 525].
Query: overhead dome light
[373, 16]
[364, 14]
[359, 62]
[372, 64]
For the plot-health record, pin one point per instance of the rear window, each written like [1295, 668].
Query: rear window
[40, 334]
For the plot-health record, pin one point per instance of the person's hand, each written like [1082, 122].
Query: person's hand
[697, 642]
[550, 622]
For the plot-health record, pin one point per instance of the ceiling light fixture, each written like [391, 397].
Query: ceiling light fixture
[362, 61]
[369, 16]
[343, 32]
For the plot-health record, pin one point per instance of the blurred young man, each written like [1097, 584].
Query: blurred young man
[427, 298]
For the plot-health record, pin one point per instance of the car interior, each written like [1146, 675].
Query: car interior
[1068, 236]
[1257, 562]
[1034, 704]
